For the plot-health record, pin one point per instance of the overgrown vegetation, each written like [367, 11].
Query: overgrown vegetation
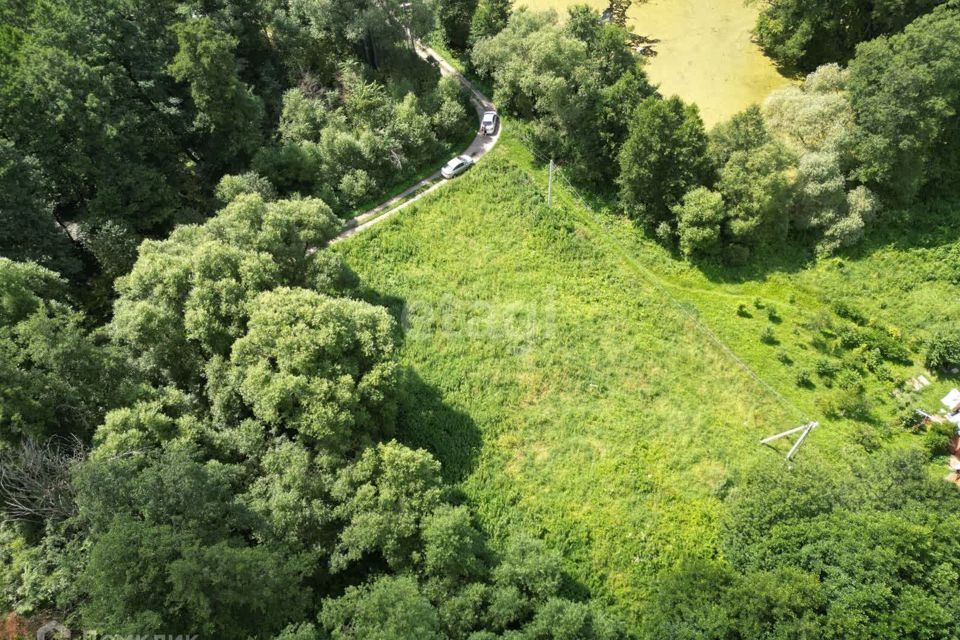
[513, 420]
[650, 425]
[802, 35]
[243, 479]
[814, 166]
[118, 118]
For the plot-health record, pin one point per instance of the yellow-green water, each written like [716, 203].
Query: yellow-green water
[705, 56]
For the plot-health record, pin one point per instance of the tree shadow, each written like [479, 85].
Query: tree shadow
[424, 419]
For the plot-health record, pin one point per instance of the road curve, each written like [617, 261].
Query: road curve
[480, 146]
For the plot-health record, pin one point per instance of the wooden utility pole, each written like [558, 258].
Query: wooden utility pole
[550, 186]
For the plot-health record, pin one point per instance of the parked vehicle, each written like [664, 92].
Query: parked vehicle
[456, 166]
[489, 123]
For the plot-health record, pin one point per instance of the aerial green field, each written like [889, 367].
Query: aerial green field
[575, 394]
[706, 54]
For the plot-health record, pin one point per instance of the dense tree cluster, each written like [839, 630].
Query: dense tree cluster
[576, 85]
[813, 165]
[346, 144]
[804, 34]
[118, 118]
[241, 480]
[814, 556]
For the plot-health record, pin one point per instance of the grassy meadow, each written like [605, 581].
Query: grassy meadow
[575, 379]
[706, 54]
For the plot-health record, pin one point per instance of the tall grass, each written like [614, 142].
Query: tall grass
[563, 369]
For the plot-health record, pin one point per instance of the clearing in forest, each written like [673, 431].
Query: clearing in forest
[565, 393]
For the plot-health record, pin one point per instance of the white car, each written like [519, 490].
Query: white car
[456, 166]
[488, 124]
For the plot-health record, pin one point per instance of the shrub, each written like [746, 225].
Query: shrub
[943, 349]
[847, 312]
[772, 314]
[742, 311]
[804, 379]
[784, 357]
[938, 438]
[869, 438]
[845, 403]
[827, 368]
[849, 379]
[909, 419]
[767, 336]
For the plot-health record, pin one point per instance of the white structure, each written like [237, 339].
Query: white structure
[952, 401]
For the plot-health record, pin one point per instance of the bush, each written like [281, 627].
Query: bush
[827, 368]
[804, 379]
[742, 311]
[943, 349]
[767, 336]
[938, 438]
[909, 419]
[849, 379]
[845, 403]
[847, 312]
[784, 357]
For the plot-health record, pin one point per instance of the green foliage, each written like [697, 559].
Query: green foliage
[27, 229]
[391, 608]
[452, 545]
[226, 108]
[816, 122]
[364, 135]
[187, 297]
[939, 438]
[319, 366]
[942, 350]
[455, 18]
[59, 377]
[383, 499]
[124, 114]
[663, 158]
[699, 221]
[803, 34]
[905, 94]
[910, 420]
[804, 379]
[168, 551]
[86, 96]
[577, 84]
[489, 18]
[754, 184]
[231, 187]
[821, 536]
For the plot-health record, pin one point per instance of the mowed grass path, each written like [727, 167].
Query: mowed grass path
[568, 396]
[706, 53]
